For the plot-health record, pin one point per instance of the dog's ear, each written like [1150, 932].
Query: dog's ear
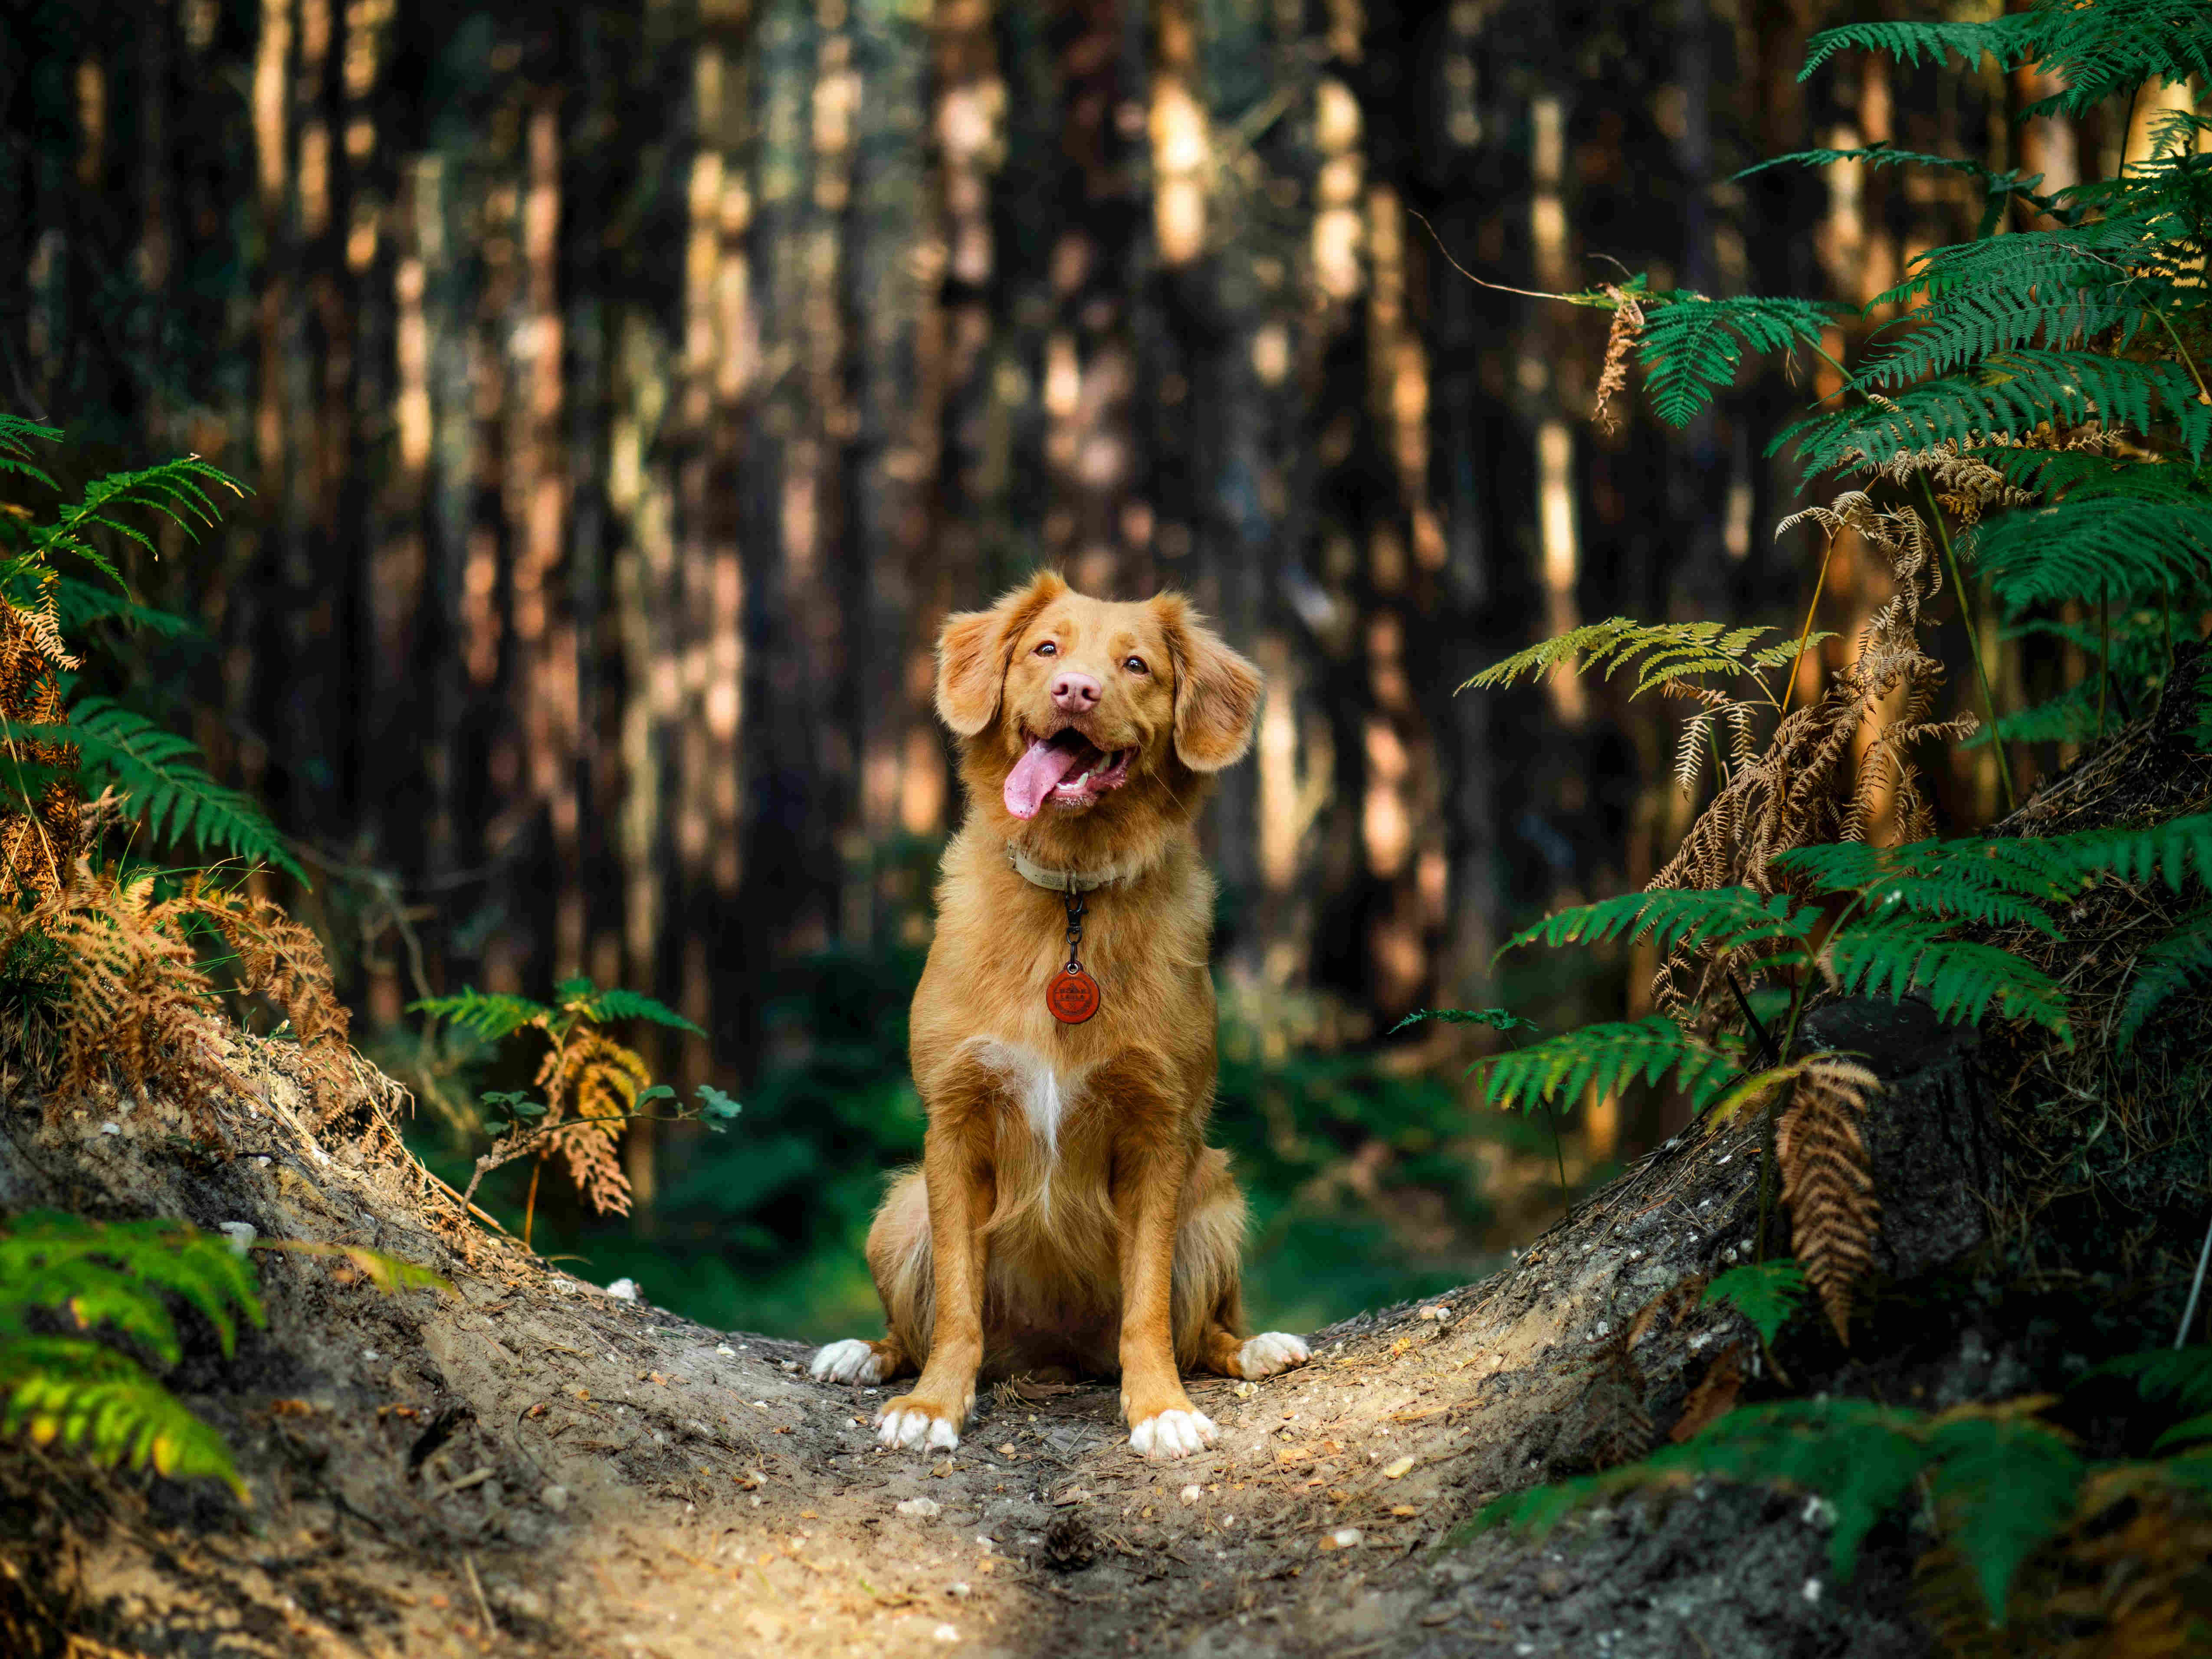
[971, 653]
[1217, 691]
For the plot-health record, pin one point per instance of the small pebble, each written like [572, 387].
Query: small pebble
[1192, 1494]
[918, 1509]
[554, 1497]
[239, 1233]
[624, 1290]
[945, 1633]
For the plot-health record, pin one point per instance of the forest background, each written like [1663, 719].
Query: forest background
[627, 392]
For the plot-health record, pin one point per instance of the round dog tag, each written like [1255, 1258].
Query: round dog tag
[1072, 996]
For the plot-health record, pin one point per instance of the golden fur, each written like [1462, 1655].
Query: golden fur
[1067, 1211]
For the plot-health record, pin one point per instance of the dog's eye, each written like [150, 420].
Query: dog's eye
[1047, 648]
[1136, 665]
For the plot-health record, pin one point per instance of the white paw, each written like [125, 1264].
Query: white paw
[850, 1361]
[912, 1426]
[1173, 1434]
[1266, 1353]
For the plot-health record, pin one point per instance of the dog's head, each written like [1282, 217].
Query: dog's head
[1073, 708]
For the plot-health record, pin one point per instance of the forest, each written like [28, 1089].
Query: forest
[1711, 935]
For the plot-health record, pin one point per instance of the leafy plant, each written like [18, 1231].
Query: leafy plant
[1767, 1294]
[54, 753]
[593, 1086]
[2000, 1482]
[2034, 426]
[85, 1395]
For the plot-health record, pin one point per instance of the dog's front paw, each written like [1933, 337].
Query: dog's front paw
[910, 1420]
[1266, 1353]
[1173, 1434]
[850, 1361]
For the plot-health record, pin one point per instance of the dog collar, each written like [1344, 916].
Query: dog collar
[1066, 881]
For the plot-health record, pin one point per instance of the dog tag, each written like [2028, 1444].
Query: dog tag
[1072, 996]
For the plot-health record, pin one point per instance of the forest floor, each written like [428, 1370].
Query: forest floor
[529, 1464]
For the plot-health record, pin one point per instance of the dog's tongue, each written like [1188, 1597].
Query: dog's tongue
[1036, 774]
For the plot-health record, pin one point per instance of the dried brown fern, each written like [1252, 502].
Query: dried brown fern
[282, 960]
[1613, 377]
[38, 839]
[599, 1080]
[1812, 783]
[1825, 1183]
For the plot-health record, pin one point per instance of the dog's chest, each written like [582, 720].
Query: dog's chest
[1041, 1093]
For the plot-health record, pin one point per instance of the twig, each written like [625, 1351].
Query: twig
[491, 1625]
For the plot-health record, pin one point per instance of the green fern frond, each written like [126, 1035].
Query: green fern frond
[1498, 1019]
[174, 490]
[2069, 717]
[92, 1400]
[114, 1272]
[491, 1015]
[16, 434]
[1996, 879]
[2129, 549]
[1692, 346]
[582, 996]
[1605, 1058]
[2003, 1484]
[80, 604]
[2083, 475]
[2181, 1376]
[1715, 919]
[2010, 395]
[1767, 1294]
[1963, 981]
[2183, 955]
[1663, 651]
[2172, 851]
[2008, 39]
[162, 776]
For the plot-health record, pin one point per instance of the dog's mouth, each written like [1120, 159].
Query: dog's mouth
[1065, 768]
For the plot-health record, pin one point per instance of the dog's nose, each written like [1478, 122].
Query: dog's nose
[1075, 694]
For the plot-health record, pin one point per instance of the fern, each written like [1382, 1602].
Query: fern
[1963, 981]
[2007, 39]
[2012, 396]
[160, 775]
[2003, 1484]
[1498, 1019]
[492, 1015]
[1767, 1294]
[1692, 346]
[92, 1400]
[1664, 653]
[1606, 1059]
[603, 1006]
[2183, 954]
[2116, 546]
[1714, 919]
[85, 1395]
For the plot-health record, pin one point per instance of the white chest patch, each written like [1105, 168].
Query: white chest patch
[1044, 1094]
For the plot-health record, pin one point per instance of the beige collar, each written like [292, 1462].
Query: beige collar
[1068, 881]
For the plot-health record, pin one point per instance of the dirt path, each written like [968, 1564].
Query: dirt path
[531, 1466]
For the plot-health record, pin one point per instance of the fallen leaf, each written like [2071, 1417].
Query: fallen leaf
[808, 1515]
[1295, 1455]
[658, 1378]
[291, 1407]
[1397, 1467]
[1404, 1511]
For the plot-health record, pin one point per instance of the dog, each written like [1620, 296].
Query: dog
[1067, 1212]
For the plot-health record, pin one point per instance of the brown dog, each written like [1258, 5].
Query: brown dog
[1067, 1211]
